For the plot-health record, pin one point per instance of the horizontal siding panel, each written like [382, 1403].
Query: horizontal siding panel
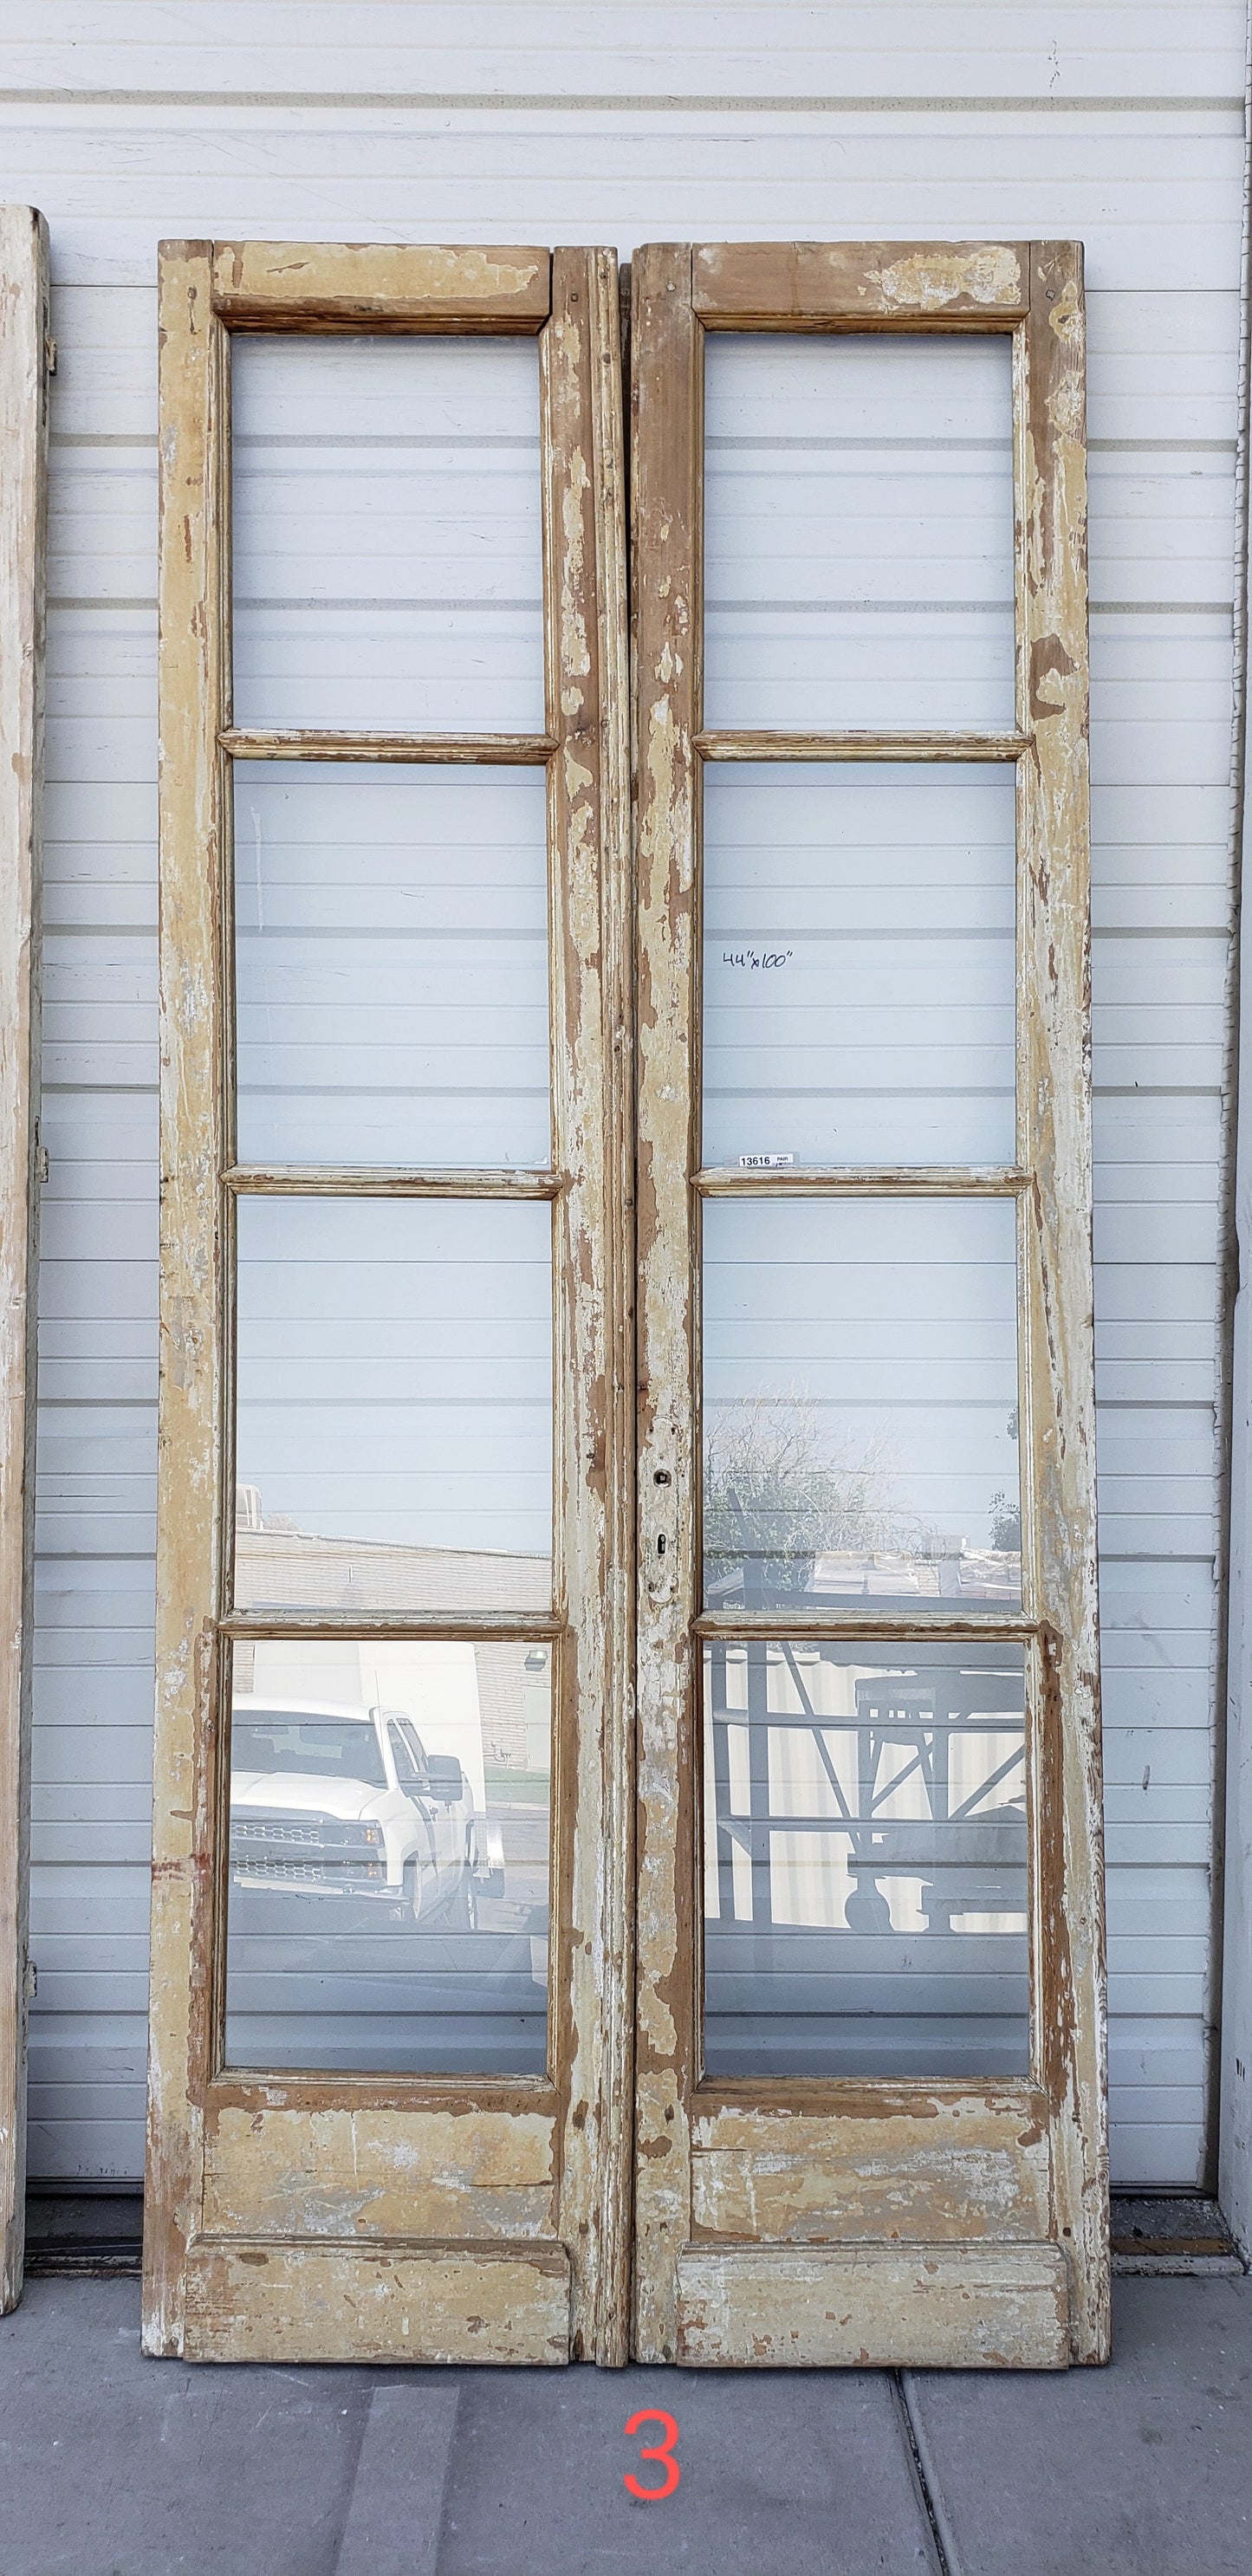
[562, 49]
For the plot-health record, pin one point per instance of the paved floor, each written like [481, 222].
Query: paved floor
[115, 2466]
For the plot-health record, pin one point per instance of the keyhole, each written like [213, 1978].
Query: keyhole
[660, 1545]
[662, 1476]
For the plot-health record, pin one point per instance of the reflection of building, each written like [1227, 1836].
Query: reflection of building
[488, 1701]
[865, 1856]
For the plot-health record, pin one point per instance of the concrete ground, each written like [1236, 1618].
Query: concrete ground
[115, 2466]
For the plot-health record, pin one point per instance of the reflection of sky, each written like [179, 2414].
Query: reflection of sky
[395, 1368]
[890, 1325]
[391, 964]
[858, 1002]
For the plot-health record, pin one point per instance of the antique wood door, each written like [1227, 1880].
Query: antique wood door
[403, 1547]
[391, 2006]
[870, 2017]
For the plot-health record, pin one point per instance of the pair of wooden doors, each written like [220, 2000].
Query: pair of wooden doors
[626, 1862]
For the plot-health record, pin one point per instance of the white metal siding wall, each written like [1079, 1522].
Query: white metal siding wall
[1120, 123]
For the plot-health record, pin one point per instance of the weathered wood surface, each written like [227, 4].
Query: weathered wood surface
[257, 2299]
[193, 818]
[248, 2154]
[23, 530]
[372, 1180]
[665, 493]
[408, 2170]
[588, 786]
[874, 2307]
[782, 284]
[807, 1180]
[298, 286]
[876, 2161]
[1054, 1096]
[309, 742]
[741, 743]
[946, 2167]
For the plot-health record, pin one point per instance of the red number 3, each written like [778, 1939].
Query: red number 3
[660, 2451]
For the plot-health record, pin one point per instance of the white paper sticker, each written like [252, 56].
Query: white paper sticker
[765, 1162]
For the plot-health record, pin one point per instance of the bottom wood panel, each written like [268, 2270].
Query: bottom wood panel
[257, 2299]
[921, 2306]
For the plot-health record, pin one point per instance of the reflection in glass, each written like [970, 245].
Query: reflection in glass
[865, 1860]
[394, 1428]
[860, 1402]
[391, 964]
[388, 1894]
[858, 962]
[386, 522]
[858, 531]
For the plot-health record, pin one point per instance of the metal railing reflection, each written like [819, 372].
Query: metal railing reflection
[913, 1771]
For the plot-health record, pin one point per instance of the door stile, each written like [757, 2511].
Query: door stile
[193, 1283]
[1053, 778]
[665, 508]
[589, 837]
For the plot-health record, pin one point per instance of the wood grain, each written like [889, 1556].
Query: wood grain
[588, 783]
[193, 685]
[269, 2158]
[778, 285]
[665, 500]
[945, 2167]
[874, 2307]
[350, 286]
[1054, 1091]
[260, 2299]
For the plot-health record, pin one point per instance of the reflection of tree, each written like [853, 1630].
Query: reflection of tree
[775, 1497]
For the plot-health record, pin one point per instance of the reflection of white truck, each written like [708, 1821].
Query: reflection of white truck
[334, 1800]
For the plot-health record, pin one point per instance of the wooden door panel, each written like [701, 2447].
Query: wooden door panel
[924, 2307]
[933, 2170]
[465, 2171]
[261, 2299]
[881, 2208]
[360, 2212]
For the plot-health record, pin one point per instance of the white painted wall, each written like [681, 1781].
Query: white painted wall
[126, 120]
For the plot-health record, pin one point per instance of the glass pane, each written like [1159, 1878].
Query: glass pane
[860, 1402]
[858, 962]
[858, 531]
[865, 1860]
[394, 1440]
[388, 570]
[391, 964]
[388, 1905]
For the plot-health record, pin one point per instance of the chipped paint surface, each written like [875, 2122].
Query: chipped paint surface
[665, 490]
[955, 2169]
[988, 2204]
[251, 2299]
[23, 531]
[1055, 1088]
[876, 2307]
[331, 2218]
[782, 283]
[374, 2172]
[284, 284]
[934, 281]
